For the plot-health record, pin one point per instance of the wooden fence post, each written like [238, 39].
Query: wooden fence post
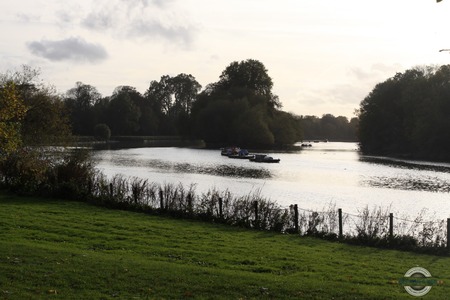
[391, 225]
[296, 218]
[448, 234]
[340, 223]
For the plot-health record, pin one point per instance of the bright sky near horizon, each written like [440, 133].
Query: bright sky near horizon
[324, 56]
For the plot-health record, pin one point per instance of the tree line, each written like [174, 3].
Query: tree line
[240, 108]
[329, 127]
[407, 115]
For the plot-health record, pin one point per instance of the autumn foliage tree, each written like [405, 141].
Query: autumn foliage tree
[31, 113]
[32, 118]
[12, 113]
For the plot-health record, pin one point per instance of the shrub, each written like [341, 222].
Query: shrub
[25, 170]
[73, 174]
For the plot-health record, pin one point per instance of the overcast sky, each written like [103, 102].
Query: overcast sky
[324, 56]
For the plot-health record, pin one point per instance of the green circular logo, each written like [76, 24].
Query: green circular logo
[417, 281]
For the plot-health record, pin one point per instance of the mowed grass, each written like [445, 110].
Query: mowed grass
[53, 249]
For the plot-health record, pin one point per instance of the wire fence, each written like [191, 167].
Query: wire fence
[377, 226]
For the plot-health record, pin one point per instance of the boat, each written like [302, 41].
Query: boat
[263, 158]
[242, 154]
[227, 151]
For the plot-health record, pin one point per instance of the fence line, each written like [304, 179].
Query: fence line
[382, 223]
[354, 215]
[256, 212]
[385, 225]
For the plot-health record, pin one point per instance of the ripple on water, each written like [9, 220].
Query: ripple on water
[429, 183]
[218, 170]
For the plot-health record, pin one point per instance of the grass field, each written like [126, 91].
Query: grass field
[53, 249]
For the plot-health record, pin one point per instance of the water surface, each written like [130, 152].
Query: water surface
[312, 178]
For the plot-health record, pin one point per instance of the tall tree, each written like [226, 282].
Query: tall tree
[241, 108]
[124, 114]
[171, 99]
[160, 93]
[80, 101]
[185, 89]
[249, 75]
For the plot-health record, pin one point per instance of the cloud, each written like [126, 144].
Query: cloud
[160, 3]
[377, 71]
[27, 18]
[73, 49]
[66, 17]
[98, 21]
[140, 19]
[152, 28]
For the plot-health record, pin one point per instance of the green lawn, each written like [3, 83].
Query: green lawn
[69, 250]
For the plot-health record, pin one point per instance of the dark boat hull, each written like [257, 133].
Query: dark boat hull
[261, 158]
[266, 161]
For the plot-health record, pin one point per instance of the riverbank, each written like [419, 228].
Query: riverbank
[139, 141]
[72, 250]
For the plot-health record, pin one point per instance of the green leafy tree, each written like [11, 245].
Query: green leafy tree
[185, 90]
[241, 109]
[160, 93]
[171, 100]
[80, 102]
[123, 114]
[46, 121]
[407, 115]
[215, 122]
[253, 128]
[286, 128]
[249, 75]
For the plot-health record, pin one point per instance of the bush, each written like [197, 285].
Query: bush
[43, 172]
[25, 170]
[72, 175]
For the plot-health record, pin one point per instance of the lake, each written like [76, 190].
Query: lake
[314, 177]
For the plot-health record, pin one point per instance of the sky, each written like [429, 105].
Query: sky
[324, 56]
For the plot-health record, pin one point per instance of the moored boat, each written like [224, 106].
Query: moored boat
[227, 151]
[242, 154]
[263, 158]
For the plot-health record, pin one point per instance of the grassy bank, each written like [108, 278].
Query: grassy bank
[71, 250]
